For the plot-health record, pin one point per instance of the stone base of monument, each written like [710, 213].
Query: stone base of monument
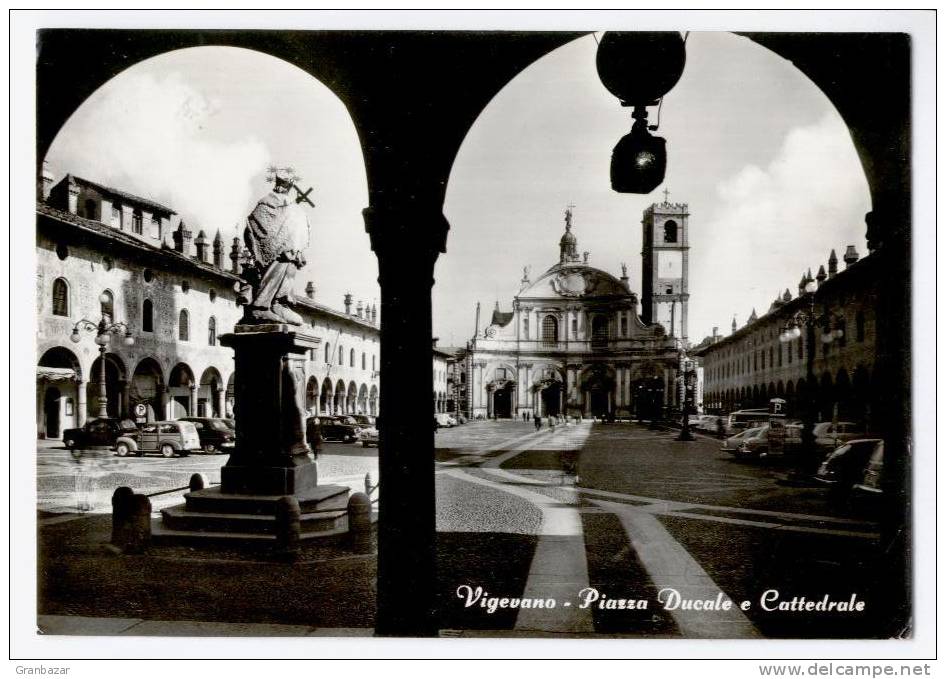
[271, 459]
[214, 515]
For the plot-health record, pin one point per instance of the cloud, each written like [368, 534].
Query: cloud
[770, 224]
[151, 135]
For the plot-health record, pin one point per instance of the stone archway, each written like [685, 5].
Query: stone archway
[182, 392]
[116, 387]
[326, 398]
[210, 394]
[60, 393]
[147, 390]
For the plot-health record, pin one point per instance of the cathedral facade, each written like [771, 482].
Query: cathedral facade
[574, 344]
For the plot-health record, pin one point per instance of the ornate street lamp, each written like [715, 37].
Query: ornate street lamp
[687, 376]
[103, 330]
[792, 330]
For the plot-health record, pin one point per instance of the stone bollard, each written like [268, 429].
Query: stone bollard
[288, 527]
[121, 511]
[198, 482]
[138, 536]
[359, 523]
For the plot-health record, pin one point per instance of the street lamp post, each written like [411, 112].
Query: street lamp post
[103, 330]
[685, 434]
[792, 330]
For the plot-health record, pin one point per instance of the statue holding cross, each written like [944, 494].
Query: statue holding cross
[274, 239]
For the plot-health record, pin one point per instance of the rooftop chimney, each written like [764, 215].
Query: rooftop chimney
[715, 333]
[832, 264]
[374, 314]
[822, 276]
[182, 239]
[45, 183]
[310, 290]
[235, 251]
[348, 298]
[360, 309]
[201, 244]
[850, 256]
[218, 250]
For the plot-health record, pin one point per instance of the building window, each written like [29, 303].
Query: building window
[842, 326]
[364, 361]
[328, 352]
[341, 355]
[212, 332]
[155, 227]
[351, 358]
[149, 275]
[549, 331]
[525, 327]
[788, 351]
[116, 215]
[108, 263]
[60, 297]
[574, 328]
[213, 296]
[183, 326]
[755, 360]
[147, 316]
[670, 231]
[62, 251]
[859, 323]
[801, 349]
[185, 287]
[599, 330]
[501, 374]
[624, 325]
[373, 366]
[136, 225]
[89, 209]
[771, 357]
[107, 305]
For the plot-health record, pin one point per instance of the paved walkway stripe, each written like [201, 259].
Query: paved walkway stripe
[669, 565]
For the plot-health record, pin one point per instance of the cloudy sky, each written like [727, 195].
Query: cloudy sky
[758, 153]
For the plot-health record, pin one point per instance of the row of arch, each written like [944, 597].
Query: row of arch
[841, 395]
[62, 307]
[328, 398]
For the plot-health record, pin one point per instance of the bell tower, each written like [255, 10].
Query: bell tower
[666, 266]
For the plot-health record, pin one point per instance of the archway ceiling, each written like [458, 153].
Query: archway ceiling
[413, 95]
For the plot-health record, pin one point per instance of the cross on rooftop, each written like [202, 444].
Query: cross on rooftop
[667, 196]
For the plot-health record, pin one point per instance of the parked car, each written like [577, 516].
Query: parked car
[746, 419]
[731, 444]
[871, 480]
[830, 435]
[102, 431]
[167, 438]
[369, 437]
[338, 427]
[364, 420]
[775, 438]
[846, 466]
[445, 420]
[215, 434]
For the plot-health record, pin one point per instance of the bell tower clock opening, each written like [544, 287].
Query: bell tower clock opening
[665, 266]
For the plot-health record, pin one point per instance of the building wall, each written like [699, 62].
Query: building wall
[752, 365]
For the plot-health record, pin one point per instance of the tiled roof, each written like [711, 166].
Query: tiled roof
[100, 229]
[305, 302]
[130, 197]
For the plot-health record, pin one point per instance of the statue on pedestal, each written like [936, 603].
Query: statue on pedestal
[273, 237]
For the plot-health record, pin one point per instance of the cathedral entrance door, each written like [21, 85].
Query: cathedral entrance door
[551, 400]
[502, 402]
[599, 403]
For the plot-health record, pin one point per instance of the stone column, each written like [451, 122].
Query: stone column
[219, 396]
[82, 387]
[406, 589]
[192, 409]
[124, 408]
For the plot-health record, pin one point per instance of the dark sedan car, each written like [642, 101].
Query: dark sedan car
[216, 436]
[845, 466]
[339, 428]
[100, 432]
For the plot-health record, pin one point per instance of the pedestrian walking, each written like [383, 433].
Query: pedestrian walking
[538, 421]
[552, 422]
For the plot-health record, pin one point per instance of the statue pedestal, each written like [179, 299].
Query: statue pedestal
[271, 456]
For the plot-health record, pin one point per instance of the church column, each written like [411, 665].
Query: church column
[221, 393]
[406, 563]
[192, 409]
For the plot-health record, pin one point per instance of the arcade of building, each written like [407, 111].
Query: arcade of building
[103, 253]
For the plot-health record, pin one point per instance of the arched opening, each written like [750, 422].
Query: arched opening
[212, 331]
[599, 331]
[60, 297]
[351, 402]
[183, 326]
[230, 401]
[114, 394]
[58, 380]
[326, 398]
[147, 391]
[147, 316]
[182, 392]
[363, 399]
[550, 331]
[210, 396]
[312, 396]
[107, 305]
[341, 393]
[502, 400]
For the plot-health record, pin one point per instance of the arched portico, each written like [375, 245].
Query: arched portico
[60, 393]
[182, 392]
[148, 391]
[210, 394]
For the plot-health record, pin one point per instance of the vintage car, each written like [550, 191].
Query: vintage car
[846, 466]
[216, 436]
[100, 432]
[167, 438]
[339, 427]
[369, 437]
